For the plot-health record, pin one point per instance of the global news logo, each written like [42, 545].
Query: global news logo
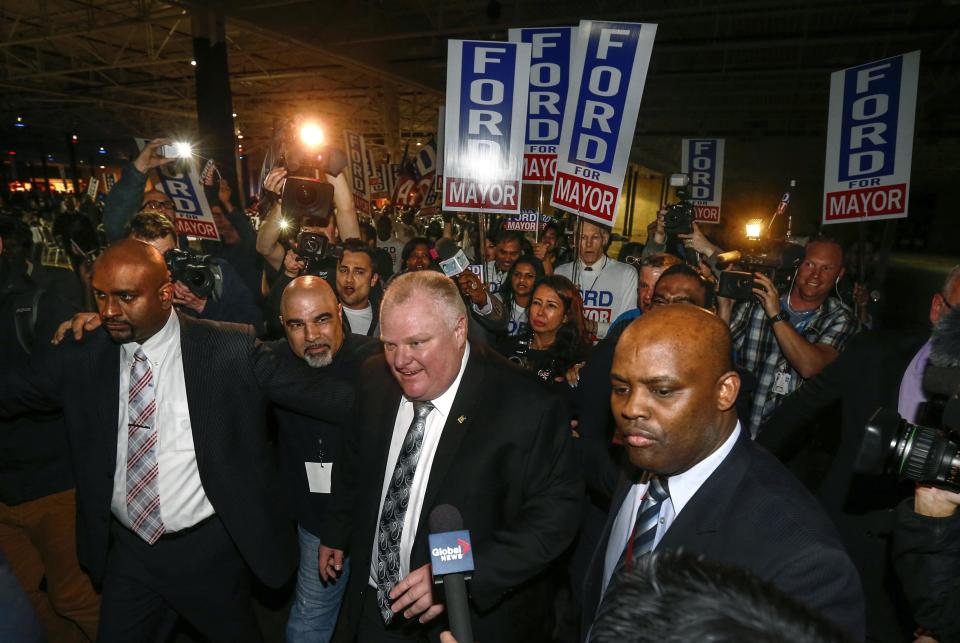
[447, 554]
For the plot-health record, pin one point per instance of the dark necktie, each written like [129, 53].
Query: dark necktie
[143, 489]
[644, 531]
[395, 503]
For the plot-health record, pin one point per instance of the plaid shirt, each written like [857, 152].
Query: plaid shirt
[757, 349]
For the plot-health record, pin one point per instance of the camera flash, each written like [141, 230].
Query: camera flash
[311, 134]
[184, 150]
[754, 228]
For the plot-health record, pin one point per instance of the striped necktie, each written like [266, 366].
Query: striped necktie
[143, 489]
[395, 504]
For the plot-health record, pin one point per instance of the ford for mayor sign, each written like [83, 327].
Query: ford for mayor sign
[606, 83]
[702, 161]
[550, 51]
[484, 125]
[870, 140]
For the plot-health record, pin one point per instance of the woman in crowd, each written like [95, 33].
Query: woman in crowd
[516, 291]
[556, 337]
[416, 255]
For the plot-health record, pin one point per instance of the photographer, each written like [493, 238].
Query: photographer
[235, 303]
[785, 340]
[926, 554]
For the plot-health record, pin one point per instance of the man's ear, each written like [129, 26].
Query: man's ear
[376, 277]
[728, 386]
[166, 294]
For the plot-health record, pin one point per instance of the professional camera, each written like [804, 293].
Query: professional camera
[198, 272]
[928, 454]
[314, 248]
[776, 259]
[679, 217]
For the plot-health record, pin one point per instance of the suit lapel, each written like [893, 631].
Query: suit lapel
[105, 374]
[195, 369]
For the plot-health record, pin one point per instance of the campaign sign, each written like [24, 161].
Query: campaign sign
[109, 180]
[92, 188]
[528, 221]
[550, 54]
[438, 183]
[870, 140]
[702, 161]
[451, 553]
[358, 174]
[606, 84]
[486, 109]
[181, 182]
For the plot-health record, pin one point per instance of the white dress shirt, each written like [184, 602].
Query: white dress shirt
[682, 487]
[183, 502]
[418, 488]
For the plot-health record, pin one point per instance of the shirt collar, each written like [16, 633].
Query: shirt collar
[596, 266]
[684, 485]
[158, 346]
[444, 402]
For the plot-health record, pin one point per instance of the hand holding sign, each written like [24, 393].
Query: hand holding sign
[150, 158]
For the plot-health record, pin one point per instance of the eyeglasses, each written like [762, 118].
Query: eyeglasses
[158, 205]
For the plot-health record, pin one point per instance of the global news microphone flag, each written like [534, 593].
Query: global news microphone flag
[610, 66]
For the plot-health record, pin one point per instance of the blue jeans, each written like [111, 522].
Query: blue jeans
[313, 614]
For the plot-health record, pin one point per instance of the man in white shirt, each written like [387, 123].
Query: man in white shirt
[356, 281]
[428, 435]
[697, 481]
[608, 286]
[388, 240]
[507, 251]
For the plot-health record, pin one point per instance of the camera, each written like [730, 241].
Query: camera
[891, 445]
[314, 248]
[176, 151]
[736, 285]
[197, 272]
[778, 260]
[679, 217]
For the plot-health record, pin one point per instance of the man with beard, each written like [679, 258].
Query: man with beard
[176, 483]
[358, 288]
[696, 482]
[309, 448]
[785, 340]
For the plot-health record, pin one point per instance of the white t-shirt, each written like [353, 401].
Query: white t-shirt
[517, 323]
[608, 287]
[494, 276]
[360, 320]
[395, 248]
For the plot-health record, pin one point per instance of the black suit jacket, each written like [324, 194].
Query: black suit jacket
[866, 376]
[229, 379]
[504, 459]
[752, 513]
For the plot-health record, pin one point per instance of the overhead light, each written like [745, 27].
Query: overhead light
[234, 114]
[73, 138]
[193, 63]
[19, 122]
[240, 136]
[103, 167]
[102, 150]
[419, 143]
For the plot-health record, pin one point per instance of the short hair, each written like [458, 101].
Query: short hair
[509, 235]
[709, 290]
[661, 260]
[369, 230]
[355, 245]
[674, 597]
[826, 238]
[411, 245]
[384, 227]
[435, 285]
[951, 279]
[149, 226]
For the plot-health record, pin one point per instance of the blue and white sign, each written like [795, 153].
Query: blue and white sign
[181, 182]
[870, 140]
[702, 161]
[356, 161]
[606, 84]
[550, 62]
[451, 553]
[484, 124]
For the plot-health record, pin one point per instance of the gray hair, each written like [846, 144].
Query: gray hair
[438, 287]
[951, 280]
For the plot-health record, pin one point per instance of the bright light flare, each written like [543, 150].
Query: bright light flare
[184, 150]
[311, 134]
[754, 228]
[284, 224]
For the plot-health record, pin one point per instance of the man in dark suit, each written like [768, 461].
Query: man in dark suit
[699, 483]
[445, 421]
[176, 486]
[882, 369]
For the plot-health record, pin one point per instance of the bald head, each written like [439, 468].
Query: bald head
[310, 314]
[673, 388]
[132, 287]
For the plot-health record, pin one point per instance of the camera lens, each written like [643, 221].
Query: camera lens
[306, 194]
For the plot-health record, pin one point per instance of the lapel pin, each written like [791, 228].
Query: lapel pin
[462, 419]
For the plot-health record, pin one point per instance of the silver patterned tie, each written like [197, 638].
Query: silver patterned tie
[395, 503]
[143, 489]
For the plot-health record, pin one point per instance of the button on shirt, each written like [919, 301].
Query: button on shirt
[682, 487]
[183, 502]
[418, 488]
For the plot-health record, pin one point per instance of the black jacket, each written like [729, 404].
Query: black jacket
[229, 379]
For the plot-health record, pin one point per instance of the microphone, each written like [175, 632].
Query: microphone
[942, 374]
[450, 257]
[451, 556]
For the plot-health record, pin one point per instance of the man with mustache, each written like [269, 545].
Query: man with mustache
[785, 340]
[697, 482]
[318, 345]
[176, 485]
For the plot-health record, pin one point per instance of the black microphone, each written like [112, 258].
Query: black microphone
[451, 258]
[451, 555]
[942, 374]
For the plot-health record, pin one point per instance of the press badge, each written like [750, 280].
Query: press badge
[781, 383]
[319, 476]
